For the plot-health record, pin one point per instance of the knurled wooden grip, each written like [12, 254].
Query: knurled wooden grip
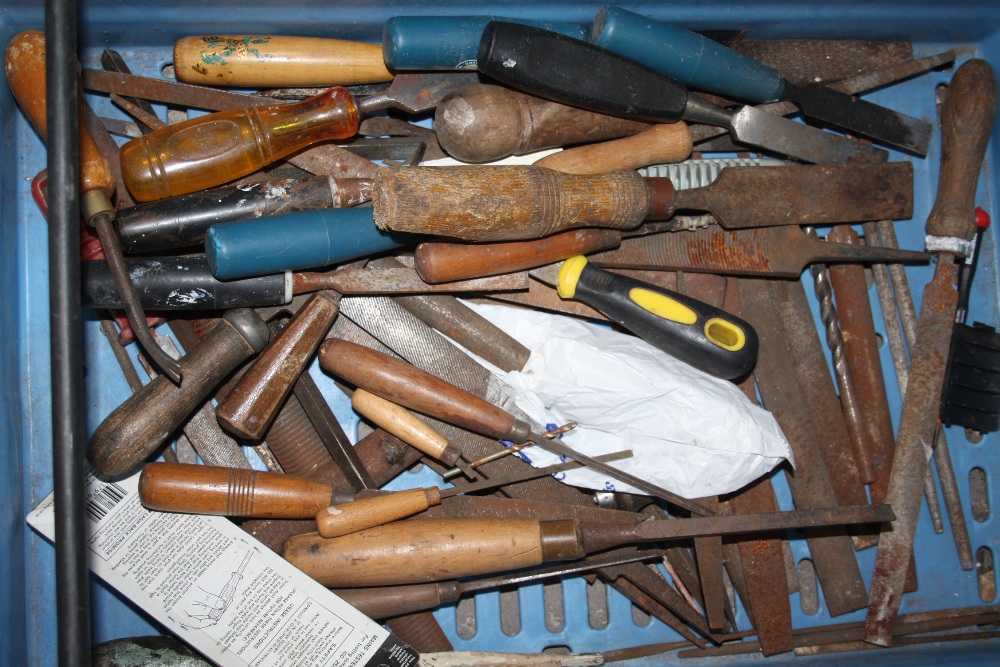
[506, 203]
[482, 123]
[253, 403]
[386, 601]
[144, 422]
[409, 552]
[24, 64]
[407, 385]
[967, 117]
[659, 144]
[277, 61]
[347, 518]
[403, 424]
[198, 489]
[439, 262]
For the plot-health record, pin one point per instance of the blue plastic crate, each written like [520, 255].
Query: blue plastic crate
[144, 32]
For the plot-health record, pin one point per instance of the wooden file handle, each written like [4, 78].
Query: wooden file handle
[407, 385]
[257, 397]
[439, 262]
[406, 426]
[659, 144]
[967, 117]
[367, 513]
[24, 64]
[144, 422]
[508, 203]
[277, 61]
[383, 602]
[408, 552]
[482, 123]
[197, 489]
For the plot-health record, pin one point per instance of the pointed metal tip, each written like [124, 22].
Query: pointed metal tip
[547, 274]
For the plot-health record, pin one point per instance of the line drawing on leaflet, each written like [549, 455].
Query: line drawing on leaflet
[206, 611]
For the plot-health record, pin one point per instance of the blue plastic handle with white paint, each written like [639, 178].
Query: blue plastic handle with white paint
[447, 42]
[297, 241]
[686, 56]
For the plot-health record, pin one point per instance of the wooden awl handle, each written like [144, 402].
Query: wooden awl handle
[351, 517]
[272, 60]
[198, 489]
[407, 385]
[967, 117]
[144, 422]
[440, 262]
[406, 426]
[659, 144]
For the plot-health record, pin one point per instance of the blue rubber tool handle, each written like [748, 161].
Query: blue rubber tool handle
[686, 56]
[446, 42]
[297, 241]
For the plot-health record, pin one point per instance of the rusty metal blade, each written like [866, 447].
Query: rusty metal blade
[169, 92]
[805, 194]
[825, 60]
[416, 92]
[401, 281]
[773, 251]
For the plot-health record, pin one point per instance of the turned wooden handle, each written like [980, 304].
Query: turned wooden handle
[198, 489]
[385, 601]
[255, 400]
[407, 385]
[967, 117]
[506, 203]
[482, 123]
[371, 512]
[403, 424]
[408, 552]
[439, 262]
[277, 61]
[659, 144]
[24, 63]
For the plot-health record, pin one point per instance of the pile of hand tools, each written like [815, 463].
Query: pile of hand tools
[302, 223]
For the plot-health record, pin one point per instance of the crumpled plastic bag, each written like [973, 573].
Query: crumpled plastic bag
[689, 432]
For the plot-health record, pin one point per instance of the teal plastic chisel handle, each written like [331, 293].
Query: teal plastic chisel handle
[447, 42]
[686, 56]
[297, 241]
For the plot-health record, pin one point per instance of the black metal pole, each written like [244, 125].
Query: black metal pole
[62, 121]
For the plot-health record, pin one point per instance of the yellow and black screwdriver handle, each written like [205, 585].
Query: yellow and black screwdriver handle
[706, 337]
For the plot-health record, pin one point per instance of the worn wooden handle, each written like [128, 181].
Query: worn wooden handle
[401, 423]
[482, 123]
[371, 512]
[408, 552]
[407, 385]
[506, 203]
[24, 64]
[277, 61]
[255, 400]
[659, 144]
[385, 601]
[967, 117]
[198, 489]
[439, 262]
[144, 422]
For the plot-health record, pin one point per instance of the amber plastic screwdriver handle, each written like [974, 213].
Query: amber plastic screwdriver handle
[483, 123]
[659, 144]
[403, 424]
[258, 61]
[254, 401]
[408, 552]
[967, 115]
[140, 425]
[214, 149]
[440, 262]
[24, 64]
[512, 203]
[238, 492]
[407, 385]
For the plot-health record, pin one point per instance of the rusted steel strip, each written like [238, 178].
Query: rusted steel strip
[824, 409]
[772, 251]
[783, 395]
[861, 349]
